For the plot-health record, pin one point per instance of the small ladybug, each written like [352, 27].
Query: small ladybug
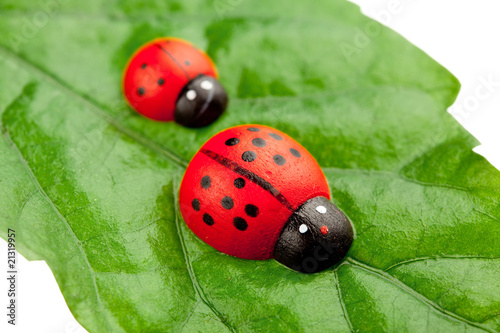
[169, 79]
[255, 193]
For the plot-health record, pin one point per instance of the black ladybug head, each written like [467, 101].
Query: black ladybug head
[200, 102]
[315, 237]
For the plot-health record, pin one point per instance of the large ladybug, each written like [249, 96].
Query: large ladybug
[255, 193]
[169, 79]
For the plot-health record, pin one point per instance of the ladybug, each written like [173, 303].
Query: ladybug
[253, 192]
[170, 79]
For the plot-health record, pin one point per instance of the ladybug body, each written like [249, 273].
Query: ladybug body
[168, 70]
[245, 191]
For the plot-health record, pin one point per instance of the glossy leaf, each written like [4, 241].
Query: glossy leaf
[91, 187]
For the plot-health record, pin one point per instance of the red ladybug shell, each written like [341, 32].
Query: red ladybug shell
[238, 201]
[157, 72]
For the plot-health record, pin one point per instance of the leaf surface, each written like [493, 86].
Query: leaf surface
[91, 187]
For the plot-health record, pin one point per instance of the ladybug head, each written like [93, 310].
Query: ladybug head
[316, 236]
[201, 102]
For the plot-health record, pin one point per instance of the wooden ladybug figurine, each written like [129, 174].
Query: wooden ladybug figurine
[169, 79]
[255, 193]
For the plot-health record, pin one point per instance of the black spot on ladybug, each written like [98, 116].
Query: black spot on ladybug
[258, 142]
[227, 202]
[232, 141]
[249, 156]
[275, 136]
[295, 152]
[187, 62]
[240, 223]
[161, 81]
[141, 91]
[254, 129]
[206, 182]
[208, 219]
[196, 204]
[252, 210]
[278, 159]
[143, 66]
[239, 182]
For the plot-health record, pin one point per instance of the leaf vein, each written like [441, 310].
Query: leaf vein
[196, 286]
[341, 299]
[61, 217]
[384, 275]
[96, 108]
[486, 214]
[409, 261]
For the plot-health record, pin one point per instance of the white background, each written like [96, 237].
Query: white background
[461, 35]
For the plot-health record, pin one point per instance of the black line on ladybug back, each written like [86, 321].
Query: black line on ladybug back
[231, 165]
[175, 60]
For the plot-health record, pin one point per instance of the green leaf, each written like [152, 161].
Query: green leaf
[91, 187]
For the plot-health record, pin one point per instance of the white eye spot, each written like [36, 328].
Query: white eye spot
[191, 95]
[207, 85]
[303, 228]
[321, 209]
